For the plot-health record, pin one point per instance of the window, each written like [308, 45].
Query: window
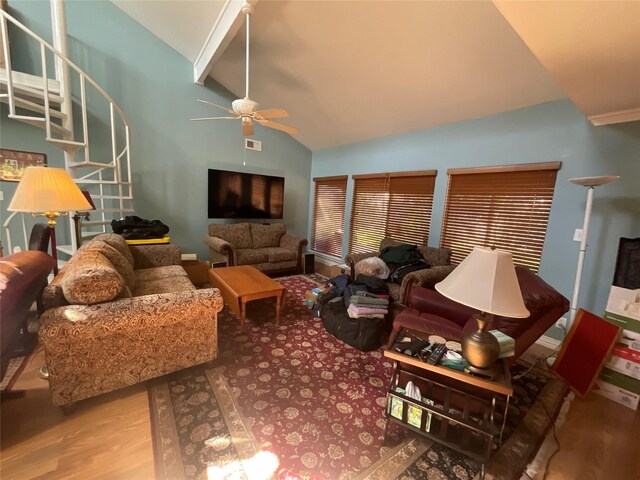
[503, 207]
[396, 205]
[328, 215]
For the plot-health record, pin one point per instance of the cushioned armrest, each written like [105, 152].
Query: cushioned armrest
[149, 256]
[291, 242]
[427, 277]
[222, 247]
[430, 301]
[62, 323]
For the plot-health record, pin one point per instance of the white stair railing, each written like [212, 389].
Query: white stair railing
[36, 99]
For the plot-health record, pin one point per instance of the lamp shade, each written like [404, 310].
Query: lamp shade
[486, 280]
[44, 189]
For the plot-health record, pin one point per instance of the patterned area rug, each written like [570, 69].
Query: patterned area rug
[291, 401]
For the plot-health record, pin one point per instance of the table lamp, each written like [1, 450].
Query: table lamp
[485, 280]
[48, 192]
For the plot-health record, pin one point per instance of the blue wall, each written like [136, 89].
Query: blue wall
[544, 133]
[154, 86]
[170, 155]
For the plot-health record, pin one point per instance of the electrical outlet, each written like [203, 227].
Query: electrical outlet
[561, 322]
[577, 235]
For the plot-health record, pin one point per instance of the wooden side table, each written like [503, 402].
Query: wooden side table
[453, 418]
[198, 271]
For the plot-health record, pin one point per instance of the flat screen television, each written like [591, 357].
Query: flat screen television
[245, 195]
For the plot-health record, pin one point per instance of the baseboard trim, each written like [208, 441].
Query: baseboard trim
[549, 342]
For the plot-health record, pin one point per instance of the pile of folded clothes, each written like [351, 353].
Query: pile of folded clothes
[368, 305]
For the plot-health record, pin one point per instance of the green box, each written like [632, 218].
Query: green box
[626, 323]
[620, 380]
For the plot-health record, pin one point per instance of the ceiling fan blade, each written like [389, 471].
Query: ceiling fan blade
[247, 129]
[278, 126]
[272, 113]
[214, 118]
[217, 106]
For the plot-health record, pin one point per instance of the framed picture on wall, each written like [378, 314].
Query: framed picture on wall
[13, 163]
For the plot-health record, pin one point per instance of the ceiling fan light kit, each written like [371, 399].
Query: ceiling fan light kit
[245, 108]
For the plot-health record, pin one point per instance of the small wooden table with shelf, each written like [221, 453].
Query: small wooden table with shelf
[463, 415]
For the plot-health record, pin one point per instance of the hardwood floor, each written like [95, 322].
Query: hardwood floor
[109, 437]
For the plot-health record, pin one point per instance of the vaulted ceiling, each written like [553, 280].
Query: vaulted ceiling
[350, 71]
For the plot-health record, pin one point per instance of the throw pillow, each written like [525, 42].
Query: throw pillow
[120, 263]
[91, 279]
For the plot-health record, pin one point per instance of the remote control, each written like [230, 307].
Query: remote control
[437, 354]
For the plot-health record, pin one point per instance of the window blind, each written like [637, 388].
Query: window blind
[396, 205]
[502, 207]
[328, 214]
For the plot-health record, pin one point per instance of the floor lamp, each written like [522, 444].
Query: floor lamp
[48, 192]
[591, 183]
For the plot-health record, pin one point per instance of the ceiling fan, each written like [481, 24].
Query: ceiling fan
[245, 109]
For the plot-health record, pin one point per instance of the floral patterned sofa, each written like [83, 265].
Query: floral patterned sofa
[117, 315]
[269, 248]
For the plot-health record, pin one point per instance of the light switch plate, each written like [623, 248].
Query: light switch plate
[577, 235]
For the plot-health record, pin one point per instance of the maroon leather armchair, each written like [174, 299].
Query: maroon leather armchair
[430, 312]
[22, 277]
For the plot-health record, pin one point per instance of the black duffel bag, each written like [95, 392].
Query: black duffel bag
[136, 228]
[362, 333]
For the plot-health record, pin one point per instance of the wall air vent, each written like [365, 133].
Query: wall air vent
[253, 144]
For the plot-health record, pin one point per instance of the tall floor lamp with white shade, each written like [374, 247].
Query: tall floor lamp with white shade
[590, 183]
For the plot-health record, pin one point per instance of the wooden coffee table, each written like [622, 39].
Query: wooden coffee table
[239, 285]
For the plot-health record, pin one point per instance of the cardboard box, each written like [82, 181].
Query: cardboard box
[617, 394]
[625, 360]
[625, 303]
[623, 310]
[336, 270]
[619, 380]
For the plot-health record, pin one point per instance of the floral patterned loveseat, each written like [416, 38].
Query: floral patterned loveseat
[269, 248]
[117, 315]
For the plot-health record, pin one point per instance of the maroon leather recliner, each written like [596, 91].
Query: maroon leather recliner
[430, 312]
[22, 277]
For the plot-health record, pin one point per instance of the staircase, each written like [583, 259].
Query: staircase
[47, 99]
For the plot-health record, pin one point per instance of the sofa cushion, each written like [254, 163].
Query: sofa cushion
[163, 285]
[91, 279]
[118, 242]
[267, 235]
[155, 273]
[238, 234]
[117, 259]
[277, 254]
[250, 256]
[271, 267]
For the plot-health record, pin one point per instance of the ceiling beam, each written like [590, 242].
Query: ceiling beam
[227, 25]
